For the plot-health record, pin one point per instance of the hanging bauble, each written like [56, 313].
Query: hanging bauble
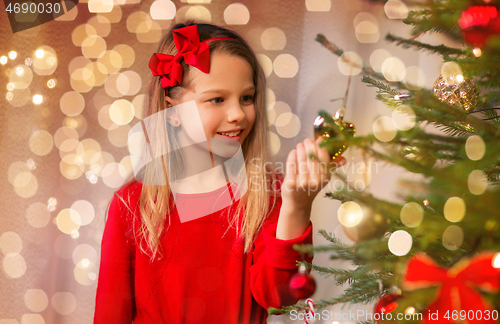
[302, 284]
[360, 223]
[332, 127]
[457, 91]
[384, 306]
[480, 22]
[419, 155]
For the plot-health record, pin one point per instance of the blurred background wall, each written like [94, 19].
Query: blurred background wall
[71, 89]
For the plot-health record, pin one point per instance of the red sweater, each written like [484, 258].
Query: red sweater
[203, 277]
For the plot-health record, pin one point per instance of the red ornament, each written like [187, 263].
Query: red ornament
[302, 284]
[480, 22]
[456, 292]
[386, 304]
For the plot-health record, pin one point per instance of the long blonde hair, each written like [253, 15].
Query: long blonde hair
[155, 204]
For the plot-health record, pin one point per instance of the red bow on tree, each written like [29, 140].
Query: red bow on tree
[189, 48]
[456, 295]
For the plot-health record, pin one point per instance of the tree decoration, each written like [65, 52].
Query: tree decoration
[457, 286]
[457, 91]
[302, 284]
[333, 127]
[478, 23]
[360, 223]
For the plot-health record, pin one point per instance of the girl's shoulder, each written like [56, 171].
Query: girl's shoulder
[127, 196]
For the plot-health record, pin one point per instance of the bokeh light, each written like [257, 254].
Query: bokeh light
[477, 182]
[10, 242]
[47, 64]
[162, 10]
[350, 214]
[384, 129]
[273, 39]
[65, 223]
[318, 5]
[475, 147]
[453, 237]
[236, 14]
[41, 142]
[403, 117]
[412, 214]
[36, 300]
[454, 209]
[393, 69]
[396, 9]
[100, 5]
[366, 28]
[37, 215]
[20, 77]
[350, 63]
[64, 303]
[266, 63]
[101, 25]
[72, 103]
[14, 265]
[85, 211]
[400, 243]
[414, 78]
[93, 46]
[286, 66]
[121, 112]
[288, 124]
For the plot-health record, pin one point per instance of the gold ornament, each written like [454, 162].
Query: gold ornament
[360, 223]
[457, 91]
[331, 127]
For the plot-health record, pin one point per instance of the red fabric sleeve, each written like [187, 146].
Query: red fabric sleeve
[274, 263]
[115, 297]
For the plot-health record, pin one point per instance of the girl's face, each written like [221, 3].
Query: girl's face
[224, 97]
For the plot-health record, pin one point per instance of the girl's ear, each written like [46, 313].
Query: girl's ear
[169, 101]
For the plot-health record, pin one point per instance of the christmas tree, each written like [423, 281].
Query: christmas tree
[437, 255]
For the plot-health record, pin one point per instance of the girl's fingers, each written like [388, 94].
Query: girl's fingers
[302, 166]
[312, 158]
[291, 166]
[323, 156]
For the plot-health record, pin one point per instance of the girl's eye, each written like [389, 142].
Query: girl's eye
[214, 99]
[247, 98]
[250, 98]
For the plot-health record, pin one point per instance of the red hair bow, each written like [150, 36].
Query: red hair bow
[189, 48]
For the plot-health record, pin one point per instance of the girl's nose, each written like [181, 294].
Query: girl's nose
[235, 113]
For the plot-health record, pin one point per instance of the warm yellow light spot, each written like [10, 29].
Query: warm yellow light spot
[475, 147]
[412, 214]
[37, 99]
[477, 52]
[454, 209]
[12, 55]
[477, 182]
[350, 214]
[453, 237]
[40, 53]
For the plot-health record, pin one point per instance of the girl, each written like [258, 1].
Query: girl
[159, 268]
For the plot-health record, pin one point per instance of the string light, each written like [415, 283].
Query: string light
[12, 55]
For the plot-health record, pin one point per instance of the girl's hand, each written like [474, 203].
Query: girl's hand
[308, 170]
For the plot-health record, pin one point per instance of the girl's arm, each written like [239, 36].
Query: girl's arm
[114, 299]
[274, 263]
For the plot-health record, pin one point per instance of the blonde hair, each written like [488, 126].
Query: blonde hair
[154, 203]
